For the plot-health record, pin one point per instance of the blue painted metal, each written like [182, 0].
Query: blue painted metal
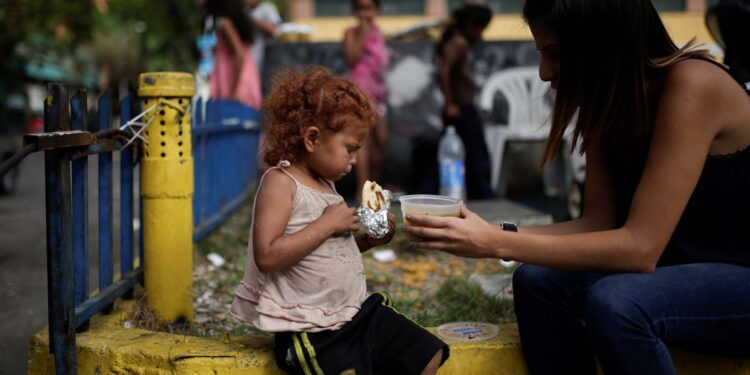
[225, 148]
[67, 232]
[80, 203]
[106, 220]
[107, 296]
[126, 198]
[225, 145]
[60, 268]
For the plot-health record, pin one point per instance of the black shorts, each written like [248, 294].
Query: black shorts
[378, 340]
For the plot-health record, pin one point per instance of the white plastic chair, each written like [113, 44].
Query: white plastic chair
[528, 116]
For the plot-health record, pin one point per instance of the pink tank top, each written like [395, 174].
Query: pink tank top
[323, 291]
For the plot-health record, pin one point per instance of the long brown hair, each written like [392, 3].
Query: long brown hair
[609, 52]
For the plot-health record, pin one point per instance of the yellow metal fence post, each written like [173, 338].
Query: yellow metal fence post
[167, 190]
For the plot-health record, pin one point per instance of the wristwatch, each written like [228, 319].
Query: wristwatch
[509, 227]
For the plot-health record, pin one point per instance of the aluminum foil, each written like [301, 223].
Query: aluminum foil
[376, 222]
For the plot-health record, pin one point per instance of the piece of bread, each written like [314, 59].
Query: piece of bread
[372, 196]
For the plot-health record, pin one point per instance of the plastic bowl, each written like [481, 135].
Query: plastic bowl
[427, 204]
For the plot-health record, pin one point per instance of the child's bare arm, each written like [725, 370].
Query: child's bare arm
[275, 251]
[353, 39]
[267, 27]
[453, 51]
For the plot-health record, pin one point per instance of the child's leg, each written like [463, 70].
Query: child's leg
[434, 364]
[401, 346]
[378, 340]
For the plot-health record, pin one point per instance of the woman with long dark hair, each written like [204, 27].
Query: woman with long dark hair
[661, 254]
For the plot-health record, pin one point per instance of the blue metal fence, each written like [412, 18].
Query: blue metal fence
[225, 152]
[225, 138]
[67, 144]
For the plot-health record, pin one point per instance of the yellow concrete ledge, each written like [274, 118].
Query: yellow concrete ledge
[109, 348]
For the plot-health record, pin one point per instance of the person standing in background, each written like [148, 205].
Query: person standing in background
[457, 85]
[367, 54]
[266, 19]
[234, 75]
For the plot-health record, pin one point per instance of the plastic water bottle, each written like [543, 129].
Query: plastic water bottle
[451, 159]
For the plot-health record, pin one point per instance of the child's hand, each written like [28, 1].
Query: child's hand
[340, 218]
[388, 237]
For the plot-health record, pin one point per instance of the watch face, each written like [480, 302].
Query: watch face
[509, 227]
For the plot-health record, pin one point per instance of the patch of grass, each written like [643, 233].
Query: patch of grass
[142, 316]
[457, 300]
[230, 239]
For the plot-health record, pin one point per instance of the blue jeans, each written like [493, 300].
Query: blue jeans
[626, 320]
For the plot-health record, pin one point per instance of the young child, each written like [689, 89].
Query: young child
[457, 85]
[367, 55]
[304, 278]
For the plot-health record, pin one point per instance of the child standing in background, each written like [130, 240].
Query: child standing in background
[304, 277]
[456, 81]
[367, 55]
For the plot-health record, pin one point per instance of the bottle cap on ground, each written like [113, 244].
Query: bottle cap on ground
[467, 331]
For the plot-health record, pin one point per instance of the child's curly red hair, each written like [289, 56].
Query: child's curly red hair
[317, 98]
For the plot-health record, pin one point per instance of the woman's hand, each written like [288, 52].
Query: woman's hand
[388, 237]
[340, 218]
[468, 236]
